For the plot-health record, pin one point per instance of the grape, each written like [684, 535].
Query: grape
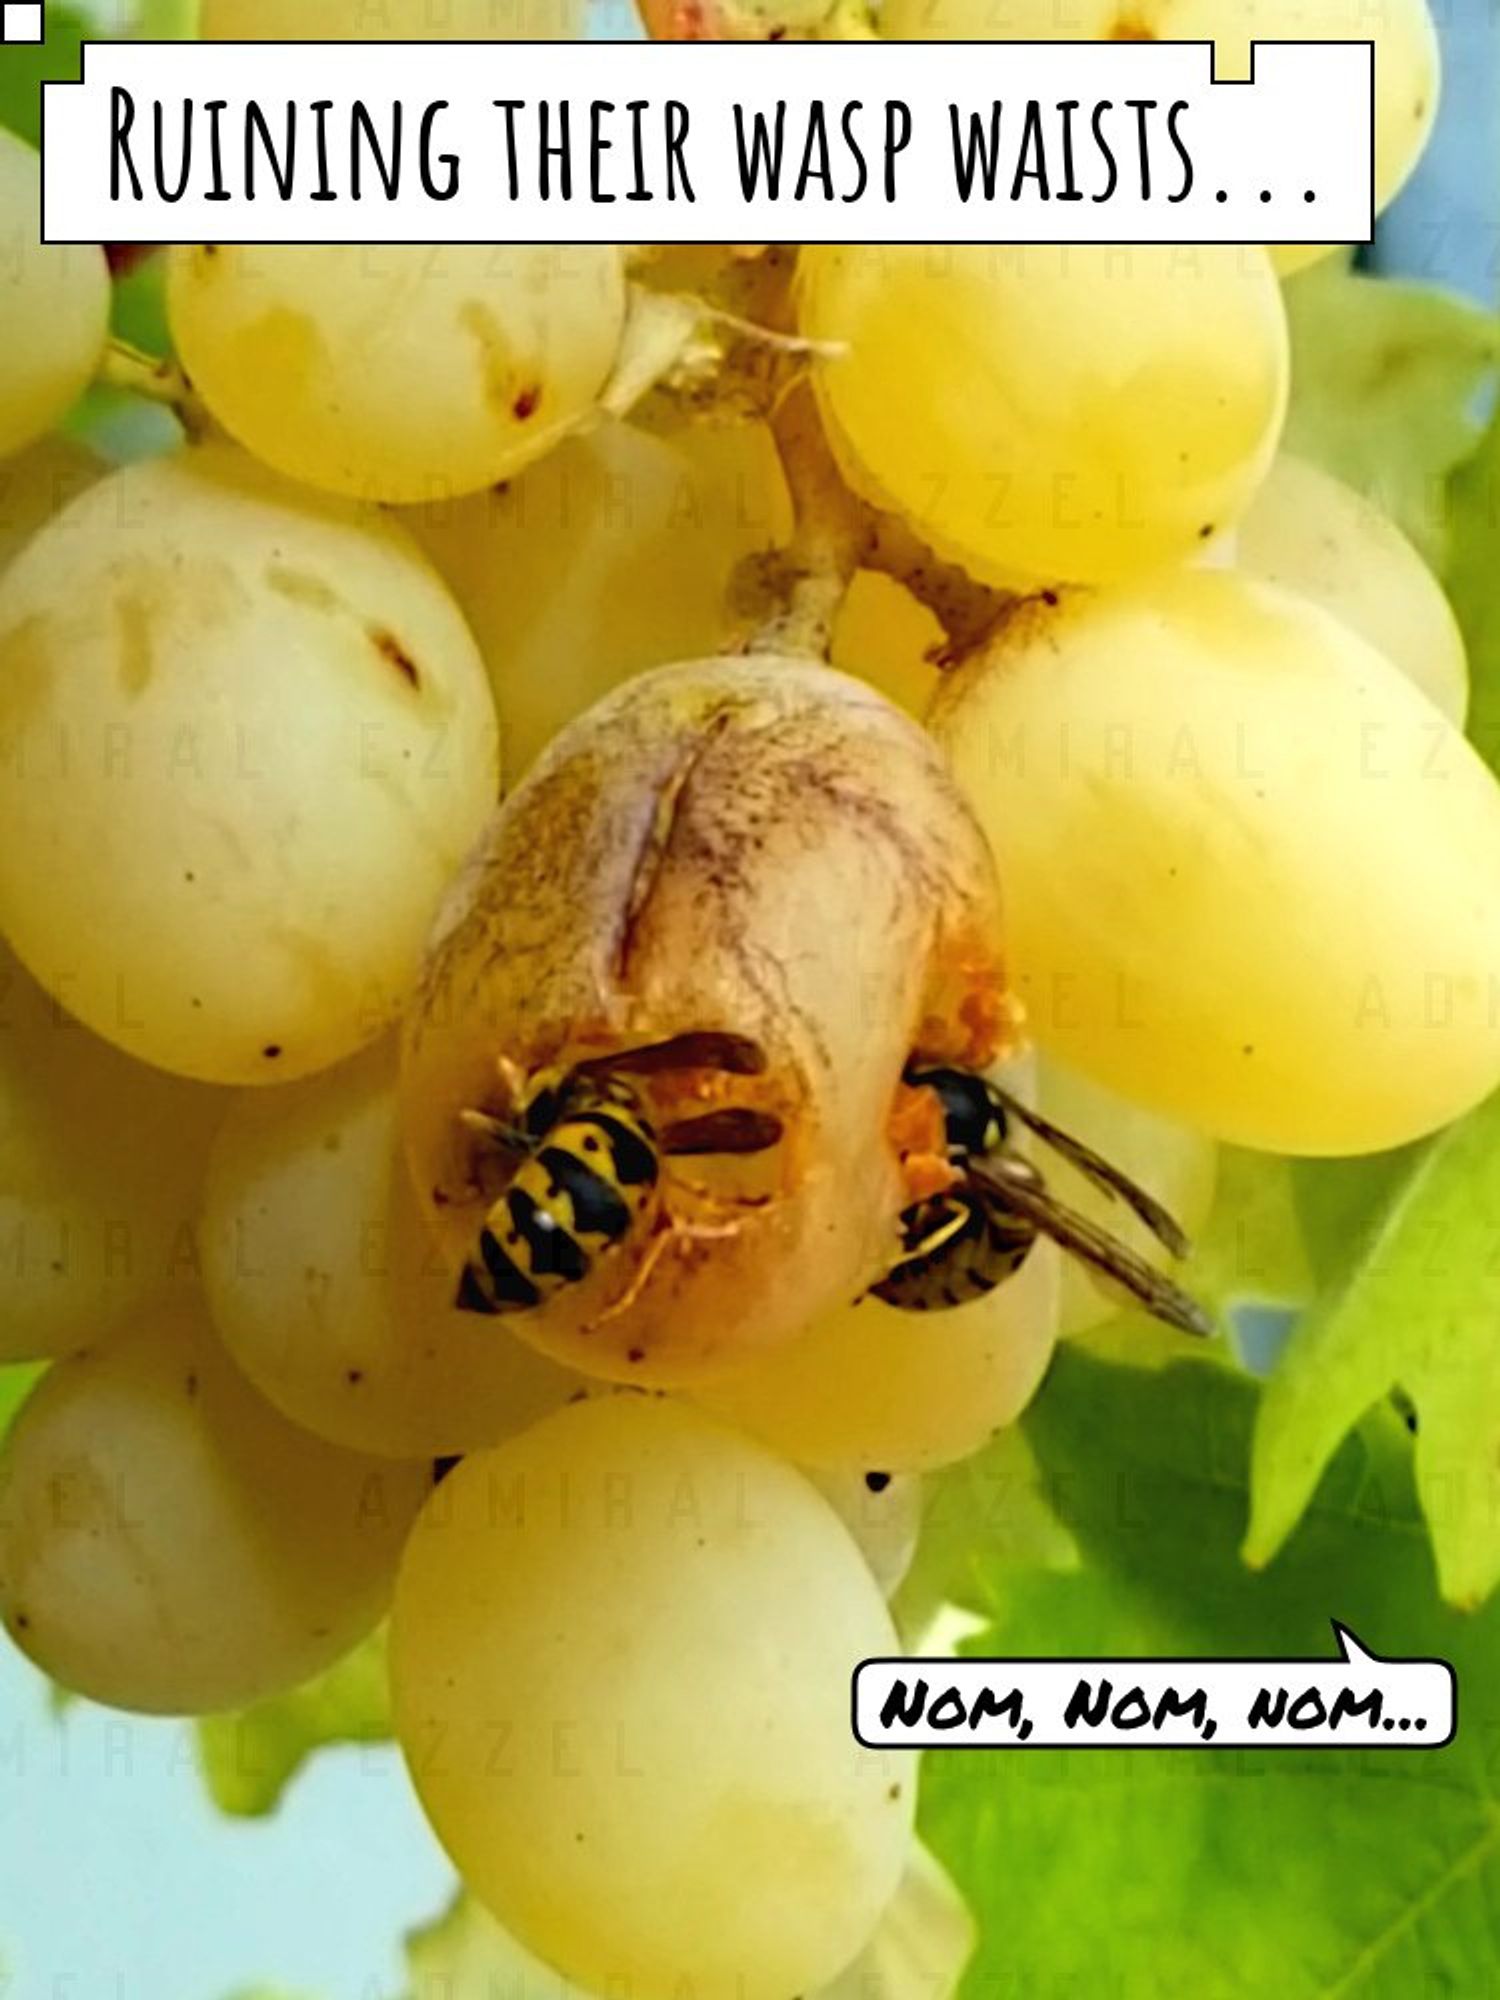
[925, 1940]
[37, 485]
[870, 1386]
[1407, 57]
[1172, 1162]
[391, 20]
[323, 1283]
[884, 636]
[100, 1159]
[397, 372]
[883, 1512]
[1313, 535]
[54, 307]
[1252, 876]
[610, 555]
[1076, 413]
[169, 1544]
[247, 740]
[578, 1613]
[684, 860]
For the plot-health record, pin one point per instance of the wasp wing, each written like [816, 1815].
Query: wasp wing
[731, 1055]
[729, 1130]
[1094, 1167]
[1161, 1297]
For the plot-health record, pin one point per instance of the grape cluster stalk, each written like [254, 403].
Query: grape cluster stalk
[750, 670]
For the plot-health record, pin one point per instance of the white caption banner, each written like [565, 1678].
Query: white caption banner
[873, 142]
[1355, 1702]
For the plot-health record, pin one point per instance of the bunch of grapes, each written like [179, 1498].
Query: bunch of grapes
[487, 1005]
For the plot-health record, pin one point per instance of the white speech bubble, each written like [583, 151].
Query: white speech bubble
[1123, 142]
[1358, 1701]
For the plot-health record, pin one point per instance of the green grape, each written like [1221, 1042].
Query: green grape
[398, 372]
[1313, 535]
[577, 1614]
[54, 307]
[865, 1385]
[39, 484]
[1408, 64]
[1170, 1161]
[884, 636]
[168, 1543]
[100, 1160]
[323, 1282]
[1044, 414]
[883, 1512]
[391, 20]
[247, 741]
[1252, 875]
[612, 554]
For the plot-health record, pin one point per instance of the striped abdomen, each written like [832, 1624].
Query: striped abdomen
[957, 1246]
[592, 1175]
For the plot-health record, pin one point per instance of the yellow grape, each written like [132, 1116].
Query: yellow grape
[1077, 413]
[577, 1614]
[324, 1285]
[1176, 1164]
[1311, 534]
[397, 372]
[1408, 63]
[168, 1543]
[247, 741]
[38, 484]
[391, 20]
[868, 1386]
[884, 636]
[610, 555]
[1252, 876]
[100, 1160]
[54, 307]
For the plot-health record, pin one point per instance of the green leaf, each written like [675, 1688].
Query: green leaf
[1418, 1311]
[249, 1759]
[1385, 380]
[1474, 538]
[16, 1384]
[25, 67]
[1223, 1874]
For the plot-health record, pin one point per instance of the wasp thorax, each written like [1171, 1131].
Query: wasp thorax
[735, 896]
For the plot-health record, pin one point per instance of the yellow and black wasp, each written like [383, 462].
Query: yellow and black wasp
[588, 1165]
[960, 1244]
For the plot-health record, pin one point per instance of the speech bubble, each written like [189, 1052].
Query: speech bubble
[1358, 1701]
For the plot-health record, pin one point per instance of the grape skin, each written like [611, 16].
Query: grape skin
[1045, 415]
[1313, 535]
[1252, 875]
[325, 1286]
[54, 307]
[397, 373]
[170, 1545]
[586, 1605]
[251, 735]
[37, 485]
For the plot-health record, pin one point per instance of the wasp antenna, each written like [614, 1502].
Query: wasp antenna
[1020, 1189]
[494, 1131]
[1162, 1224]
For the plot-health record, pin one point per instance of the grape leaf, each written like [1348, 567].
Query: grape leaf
[15, 1386]
[26, 66]
[1418, 1310]
[1222, 1874]
[249, 1759]
[1386, 376]
[1474, 536]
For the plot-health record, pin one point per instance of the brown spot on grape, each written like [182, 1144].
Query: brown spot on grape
[1130, 29]
[390, 648]
[136, 665]
[527, 402]
[272, 1051]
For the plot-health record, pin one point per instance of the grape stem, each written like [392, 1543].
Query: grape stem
[155, 380]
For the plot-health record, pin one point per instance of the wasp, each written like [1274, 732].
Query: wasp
[587, 1167]
[961, 1244]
